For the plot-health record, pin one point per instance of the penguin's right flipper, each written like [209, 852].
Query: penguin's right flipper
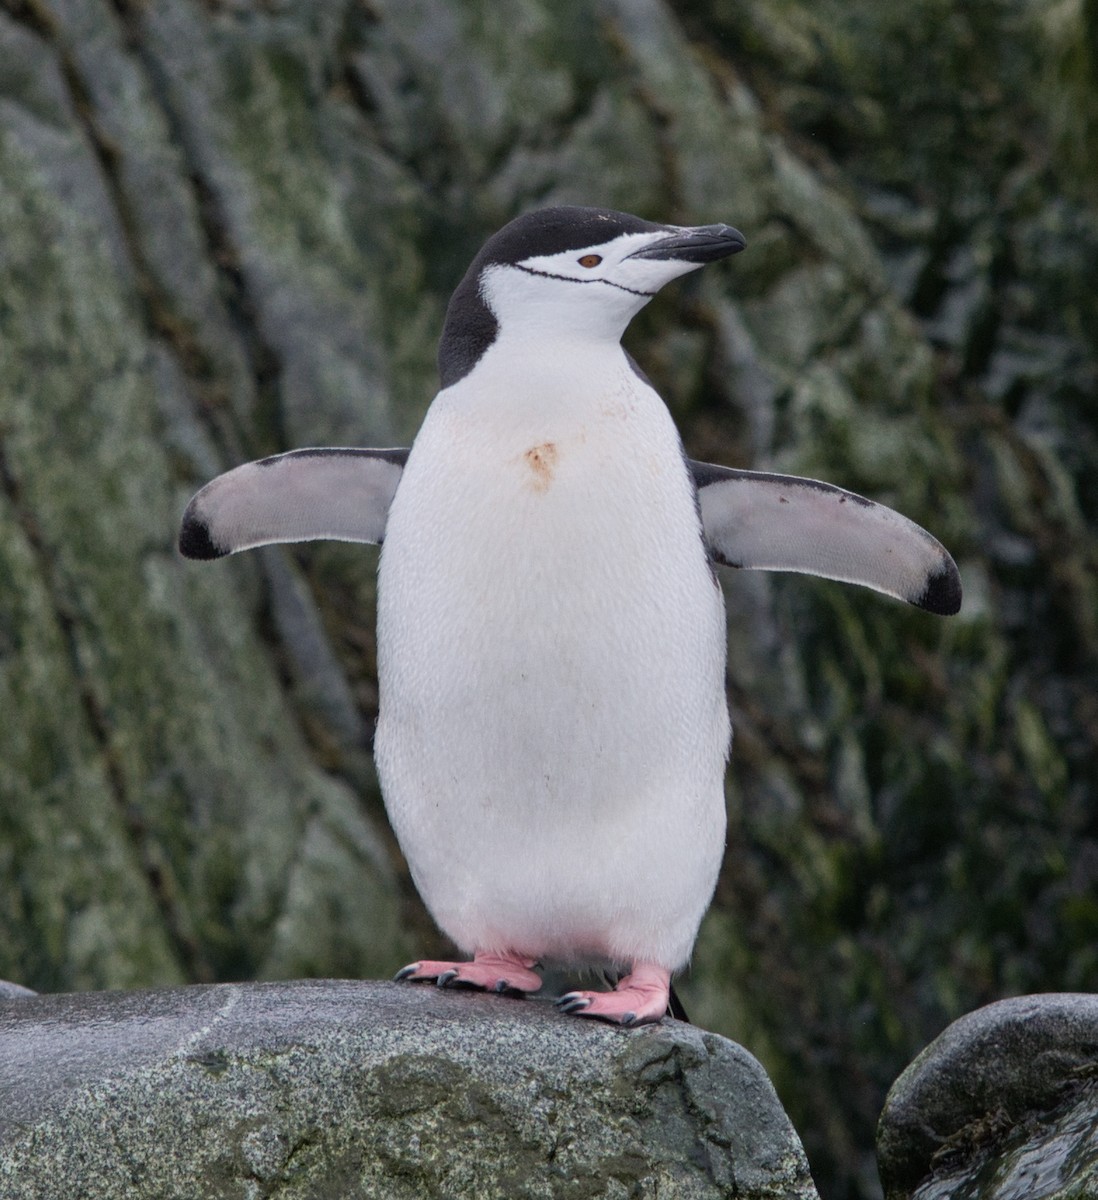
[305, 495]
[766, 522]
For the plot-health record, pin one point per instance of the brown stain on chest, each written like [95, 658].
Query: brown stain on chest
[542, 461]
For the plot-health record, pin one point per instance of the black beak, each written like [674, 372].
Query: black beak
[702, 244]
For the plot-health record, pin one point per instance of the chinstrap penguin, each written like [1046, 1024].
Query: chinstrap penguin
[553, 726]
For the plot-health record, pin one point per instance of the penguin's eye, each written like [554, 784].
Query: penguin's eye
[590, 260]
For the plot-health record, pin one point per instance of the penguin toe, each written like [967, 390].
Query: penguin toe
[505, 975]
[572, 1002]
[638, 999]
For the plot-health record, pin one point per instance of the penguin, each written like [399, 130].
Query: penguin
[553, 727]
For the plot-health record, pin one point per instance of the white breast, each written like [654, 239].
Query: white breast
[553, 726]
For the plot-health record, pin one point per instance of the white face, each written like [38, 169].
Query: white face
[593, 291]
[612, 264]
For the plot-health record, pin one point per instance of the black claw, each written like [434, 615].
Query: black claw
[501, 987]
[567, 998]
[404, 972]
[575, 1005]
[444, 979]
[630, 1018]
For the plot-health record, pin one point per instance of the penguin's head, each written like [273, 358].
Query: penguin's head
[569, 272]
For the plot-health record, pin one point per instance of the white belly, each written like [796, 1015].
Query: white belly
[553, 725]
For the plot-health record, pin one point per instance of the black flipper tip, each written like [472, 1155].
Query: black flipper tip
[942, 594]
[195, 540]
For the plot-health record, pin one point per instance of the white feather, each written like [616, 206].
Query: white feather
[553, 726]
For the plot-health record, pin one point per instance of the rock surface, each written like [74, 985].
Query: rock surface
[1002, 1106]
[376, 1090]
[14, 991]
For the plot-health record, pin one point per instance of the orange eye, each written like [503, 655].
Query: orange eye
[590, 260]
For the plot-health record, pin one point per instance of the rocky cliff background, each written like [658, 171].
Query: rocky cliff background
[230, 227]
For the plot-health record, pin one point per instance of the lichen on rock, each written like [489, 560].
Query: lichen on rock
[377, 1090]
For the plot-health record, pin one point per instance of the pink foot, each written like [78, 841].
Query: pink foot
[492, 972]
[640, 997]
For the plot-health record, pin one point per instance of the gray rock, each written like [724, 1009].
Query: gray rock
[1003, 1104]
[371, 1089]
[14, 991]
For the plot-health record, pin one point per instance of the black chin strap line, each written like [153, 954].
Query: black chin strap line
[570, 279]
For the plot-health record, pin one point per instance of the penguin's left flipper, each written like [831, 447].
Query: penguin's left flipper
[766, 522]
[338, 494]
